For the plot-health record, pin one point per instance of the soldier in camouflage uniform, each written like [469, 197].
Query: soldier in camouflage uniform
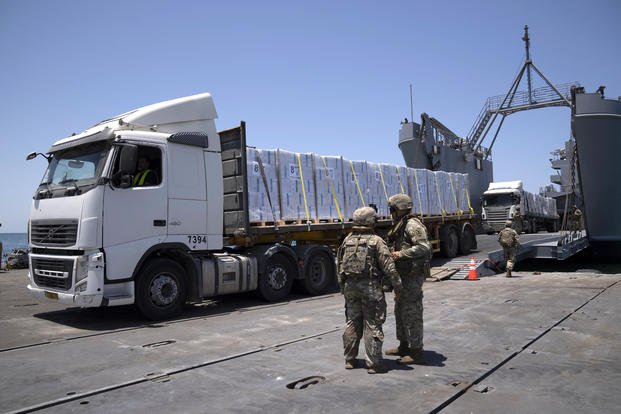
[363, 262]
[411, 250]
[509, 240]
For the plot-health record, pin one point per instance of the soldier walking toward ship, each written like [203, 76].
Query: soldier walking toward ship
[509, 240]
[411, 250]
[363, 262]
[576, 219]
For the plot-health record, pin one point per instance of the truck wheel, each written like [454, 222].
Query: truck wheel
[318, 273]
[466, 241]
[449, 241]
[275, 283]
[161, 290]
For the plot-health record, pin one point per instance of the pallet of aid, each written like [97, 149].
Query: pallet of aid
[290, 187]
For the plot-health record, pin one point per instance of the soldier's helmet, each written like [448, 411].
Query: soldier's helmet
[508, 223]
[365, 216]
[400, 202]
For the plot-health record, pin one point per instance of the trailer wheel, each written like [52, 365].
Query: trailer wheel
[161, 290]
[466, 241]
[318, 273]
[275, 283]
[449, 242]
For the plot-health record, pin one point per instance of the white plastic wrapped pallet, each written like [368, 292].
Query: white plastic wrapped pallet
[354, 186]
[258, 202]
[393, 181]
[417, 183]
[297, 190]
[434, 192]
[375, 192]
[463, 196]
[447, 191]
[329, 176]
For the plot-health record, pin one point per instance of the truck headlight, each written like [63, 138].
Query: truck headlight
[81, 268]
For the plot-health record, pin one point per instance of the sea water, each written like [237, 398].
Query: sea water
[12, 241]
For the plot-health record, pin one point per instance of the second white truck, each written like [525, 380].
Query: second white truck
[509, 201]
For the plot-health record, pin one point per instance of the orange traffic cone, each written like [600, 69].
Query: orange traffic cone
[472, 271]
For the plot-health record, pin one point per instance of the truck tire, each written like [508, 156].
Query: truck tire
[161, 290]
[449, 242]
[466, 241]
[276, 281]
[318, 273]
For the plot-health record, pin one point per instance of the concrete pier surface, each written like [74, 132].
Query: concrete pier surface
[534, 343]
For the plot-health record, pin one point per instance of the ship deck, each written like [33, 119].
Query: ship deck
[545, 342]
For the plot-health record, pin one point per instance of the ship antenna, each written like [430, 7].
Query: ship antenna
[411, 105]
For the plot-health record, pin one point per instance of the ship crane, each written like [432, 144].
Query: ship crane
[516, 101]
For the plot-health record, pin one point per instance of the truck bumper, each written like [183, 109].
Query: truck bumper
[70, 280]
[72, 299]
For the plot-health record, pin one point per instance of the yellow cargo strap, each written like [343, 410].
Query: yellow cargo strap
[420, 204]
[400, 182]
[442, 210]
[336, 201]
[303, 188]
[469, 206]
[383, 183]
[351, 164]
[459, 211]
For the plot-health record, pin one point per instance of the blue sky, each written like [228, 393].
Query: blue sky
[324, 76]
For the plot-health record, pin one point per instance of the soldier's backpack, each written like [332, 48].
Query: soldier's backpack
[354, 259]
[506, 238]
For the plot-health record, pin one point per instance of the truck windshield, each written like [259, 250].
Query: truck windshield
[76, 169]
[499, 200]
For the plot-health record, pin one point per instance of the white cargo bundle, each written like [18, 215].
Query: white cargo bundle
[332, 188]
[297, 190]
[417, 182]
[329, 185]
[354, 185]
[258, 201]
[434, 195]
[464, 205]
[374, 193]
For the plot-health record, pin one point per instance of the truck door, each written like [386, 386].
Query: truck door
[135, 218]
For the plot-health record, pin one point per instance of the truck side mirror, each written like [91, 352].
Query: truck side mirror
[128, 158]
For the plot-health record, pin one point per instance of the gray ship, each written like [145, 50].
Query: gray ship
[432, 145]
[596, 126]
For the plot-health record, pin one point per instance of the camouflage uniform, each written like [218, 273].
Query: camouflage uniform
[409, 237]
[363, 261]
[577, 219]
[509, 251]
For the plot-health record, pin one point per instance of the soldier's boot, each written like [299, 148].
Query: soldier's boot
[350, 363]
[508, 273]
[377, 369]
[401, 350]
[415, 356]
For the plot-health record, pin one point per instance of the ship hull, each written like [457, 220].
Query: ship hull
[597, 128]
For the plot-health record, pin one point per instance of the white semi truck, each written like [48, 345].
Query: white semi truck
[509, 201]
[98, 238]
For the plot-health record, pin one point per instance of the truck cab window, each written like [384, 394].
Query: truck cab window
[148, 169]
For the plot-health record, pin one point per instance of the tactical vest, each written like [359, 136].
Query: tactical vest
[506, 238]
[356, 250]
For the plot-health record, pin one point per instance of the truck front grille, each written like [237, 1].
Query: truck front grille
[58, 233]
[500, 214]
[52, 273]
